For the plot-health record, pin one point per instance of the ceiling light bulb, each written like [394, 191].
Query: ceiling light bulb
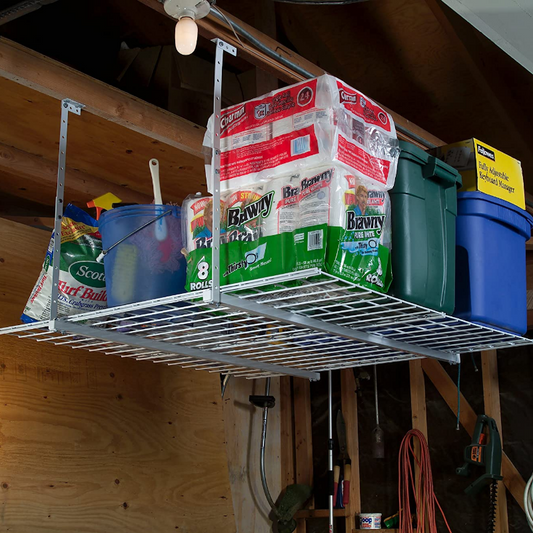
[186, 36]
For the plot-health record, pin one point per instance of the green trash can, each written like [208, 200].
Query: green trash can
[424, 208]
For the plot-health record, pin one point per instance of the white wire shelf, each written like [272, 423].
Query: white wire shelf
[298, 324]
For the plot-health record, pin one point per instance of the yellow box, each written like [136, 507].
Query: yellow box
[485, 169]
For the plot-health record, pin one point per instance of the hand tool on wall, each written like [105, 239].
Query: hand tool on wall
[485, 451]
[343, 468]
[378, 436]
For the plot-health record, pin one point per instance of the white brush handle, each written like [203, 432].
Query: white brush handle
[160, 225]
[154, 170]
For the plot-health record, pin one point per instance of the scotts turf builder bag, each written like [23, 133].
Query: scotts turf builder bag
[262, 237]
[359, 235]
[81, 278]
[314, 123]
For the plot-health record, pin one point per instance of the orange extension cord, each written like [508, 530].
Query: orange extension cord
[425, 499]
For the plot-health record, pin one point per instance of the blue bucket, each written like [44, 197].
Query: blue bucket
[491, 262]
[148, 263]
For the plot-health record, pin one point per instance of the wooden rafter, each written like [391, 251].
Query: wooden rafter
[54, 79]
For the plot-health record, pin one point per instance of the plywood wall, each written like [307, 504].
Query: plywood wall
[95, 443]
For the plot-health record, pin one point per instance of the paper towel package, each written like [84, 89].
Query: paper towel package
[317, 122]
[318, 218]
[359, 233]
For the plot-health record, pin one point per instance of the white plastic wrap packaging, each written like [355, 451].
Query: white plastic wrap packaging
[314, 123]
[198, 221]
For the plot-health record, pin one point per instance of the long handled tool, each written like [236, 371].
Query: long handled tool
[330, 452]
[342, 472]
[378, 436]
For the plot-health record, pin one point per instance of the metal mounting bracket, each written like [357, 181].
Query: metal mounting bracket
[221, 47]
[67, 106]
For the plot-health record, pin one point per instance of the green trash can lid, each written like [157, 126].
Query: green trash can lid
[413, 153]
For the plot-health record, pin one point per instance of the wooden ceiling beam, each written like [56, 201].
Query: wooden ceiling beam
[210, 27]
[54, 79]
[34, 178]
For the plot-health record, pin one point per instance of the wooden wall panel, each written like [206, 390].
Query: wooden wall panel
[93, 443]
[243, 434]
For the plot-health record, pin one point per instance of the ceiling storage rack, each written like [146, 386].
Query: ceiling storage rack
[298, 324]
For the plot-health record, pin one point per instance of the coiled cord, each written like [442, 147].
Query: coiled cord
[425, 498]
[528, 502]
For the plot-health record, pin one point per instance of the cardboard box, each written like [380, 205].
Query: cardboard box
[485, 169]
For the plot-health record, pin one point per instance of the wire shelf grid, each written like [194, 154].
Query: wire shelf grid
[189, 331]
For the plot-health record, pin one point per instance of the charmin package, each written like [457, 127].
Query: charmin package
[81, 285]
[314, 123]
[359, 235]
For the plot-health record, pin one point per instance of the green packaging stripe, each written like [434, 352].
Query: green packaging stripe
[267, 256]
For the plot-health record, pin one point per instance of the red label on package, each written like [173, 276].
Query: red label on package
[200, 205]
[269, 154]
[354, 156]
[282, 104]
[360, 106]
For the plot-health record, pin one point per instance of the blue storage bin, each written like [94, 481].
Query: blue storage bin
[149, 263]
[491, 262]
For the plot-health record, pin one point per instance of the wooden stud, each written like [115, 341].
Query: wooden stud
[303, 431]
[303, 438]
[448, 390]
[491, 394]
[287, 432]
[349, 412]
[418, 397]
[418, 410]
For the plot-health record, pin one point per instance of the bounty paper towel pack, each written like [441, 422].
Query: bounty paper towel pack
[359, 235]
[264, 232]
[317, 122]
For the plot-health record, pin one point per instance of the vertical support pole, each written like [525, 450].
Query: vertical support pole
[67, 106]
[491, 395]
[349, 411]
[221, 47]
[330, 451]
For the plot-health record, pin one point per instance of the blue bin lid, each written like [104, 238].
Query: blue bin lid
[510, 215]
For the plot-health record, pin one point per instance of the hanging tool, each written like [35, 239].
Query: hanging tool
[103, 203]
[343, 469]
[486, 453]
[331, 500]
[295, 495]
[378, 436]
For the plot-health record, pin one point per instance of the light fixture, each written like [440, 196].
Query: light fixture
[187, 11]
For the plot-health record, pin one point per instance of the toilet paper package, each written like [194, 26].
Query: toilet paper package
[314, 123]
[359, 232]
